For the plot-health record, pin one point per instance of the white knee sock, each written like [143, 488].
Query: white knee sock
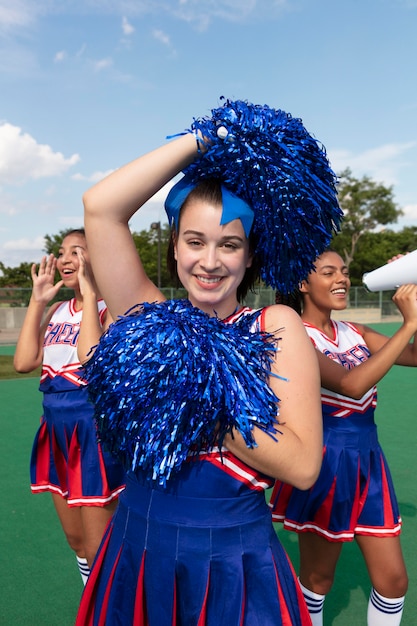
[315, 602]
[384, 611]
[84, 569]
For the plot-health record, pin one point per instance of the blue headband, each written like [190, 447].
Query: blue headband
[233, 207]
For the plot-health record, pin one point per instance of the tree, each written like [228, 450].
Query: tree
[146, 241]
[53, 242]
[16, 276]
[376, 248]
[366, 205]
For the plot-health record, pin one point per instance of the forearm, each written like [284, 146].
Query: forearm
[117, 268]
[356, 382]
[28, 353]
[90, 329]
[122, 193]
[408, 356]
[288, 459]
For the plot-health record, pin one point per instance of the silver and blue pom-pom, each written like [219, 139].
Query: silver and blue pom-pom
[268, 158]
[167, 381]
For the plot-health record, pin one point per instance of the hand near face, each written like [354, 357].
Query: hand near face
[44, 289]
[84, 276]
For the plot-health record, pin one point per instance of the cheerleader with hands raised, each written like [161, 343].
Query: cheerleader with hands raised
[66, 459]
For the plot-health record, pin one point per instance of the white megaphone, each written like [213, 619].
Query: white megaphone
[392, 275]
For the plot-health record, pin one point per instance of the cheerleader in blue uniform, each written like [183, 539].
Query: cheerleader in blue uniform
[203, 399]
[66, 459]
[353, 498]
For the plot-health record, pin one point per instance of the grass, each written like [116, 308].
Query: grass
[7, 371]
[39, 561]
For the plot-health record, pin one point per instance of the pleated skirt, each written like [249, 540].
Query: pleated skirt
[354, 493]
[66, 456]
[180, 560]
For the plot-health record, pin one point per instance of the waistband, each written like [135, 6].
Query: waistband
[158, 504]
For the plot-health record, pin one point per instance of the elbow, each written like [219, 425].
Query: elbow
[353, 392]
[306, 480]
[21, 368]
[309, 471]
[90, 208]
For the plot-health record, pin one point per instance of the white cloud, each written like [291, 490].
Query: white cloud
[102, 64]
[159, 35]
[383, 163]
[127, 28]
[22, 158]
[81, 51]
[60, 56]
[16, 14]
[23, 250]
[410, 212]
[7, 208]
[95, 177]
[25, 244]
[164, 39]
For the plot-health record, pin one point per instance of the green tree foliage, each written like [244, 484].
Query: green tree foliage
[153, 254]
[16, 276]
[53, 242]
[366, 205]
[376, 248]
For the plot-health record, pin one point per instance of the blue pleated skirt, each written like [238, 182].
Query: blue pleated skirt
[66, 456]
[178, 557]
[354, 493]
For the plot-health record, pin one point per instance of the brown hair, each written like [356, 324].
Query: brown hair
[210, 191]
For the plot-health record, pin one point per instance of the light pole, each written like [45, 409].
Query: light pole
[157, 226]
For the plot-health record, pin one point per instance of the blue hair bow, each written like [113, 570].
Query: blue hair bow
[233, 207]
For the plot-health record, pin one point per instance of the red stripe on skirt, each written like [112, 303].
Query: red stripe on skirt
[140, 611]
[85, 614]
[42, 460]
[388, 514]
[60, 463]
[74, 467]
[285, 614]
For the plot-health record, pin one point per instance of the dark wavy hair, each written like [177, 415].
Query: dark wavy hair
[209, 191]
[74, 231]
[295, 298]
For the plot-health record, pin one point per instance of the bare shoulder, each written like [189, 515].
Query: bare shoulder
[280, 316]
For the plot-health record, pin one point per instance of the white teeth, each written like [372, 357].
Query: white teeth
[337, 291]
[204, 279]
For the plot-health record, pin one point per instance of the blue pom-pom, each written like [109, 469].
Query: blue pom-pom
[268, 158]
[167, 381]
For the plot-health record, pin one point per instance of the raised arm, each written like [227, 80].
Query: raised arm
[110, 204]
[91, 327]
[386, 351]
[29, 351]
[296, 457]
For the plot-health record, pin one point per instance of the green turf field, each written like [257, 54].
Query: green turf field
[39, 580]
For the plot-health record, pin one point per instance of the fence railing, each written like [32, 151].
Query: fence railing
[359, 297]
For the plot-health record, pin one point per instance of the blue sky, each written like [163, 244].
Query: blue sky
[87, 85]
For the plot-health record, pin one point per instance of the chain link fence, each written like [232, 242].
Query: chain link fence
[359, 297]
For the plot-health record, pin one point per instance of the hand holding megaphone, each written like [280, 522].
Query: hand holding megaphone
[391, 275]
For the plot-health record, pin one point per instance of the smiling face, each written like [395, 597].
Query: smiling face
[211, 259]
[68, 262]
[328, 287]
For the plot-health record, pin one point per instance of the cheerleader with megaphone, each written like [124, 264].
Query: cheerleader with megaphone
[353, 498]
